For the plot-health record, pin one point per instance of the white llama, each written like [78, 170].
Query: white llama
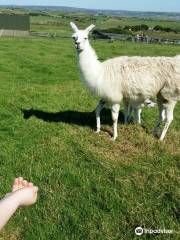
[133, 78]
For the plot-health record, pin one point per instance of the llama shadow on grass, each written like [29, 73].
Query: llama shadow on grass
[72, 117]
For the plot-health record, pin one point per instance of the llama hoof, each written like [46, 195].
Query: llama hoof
[97, 131]
[155, 133]
[161, 138]
[113, 139]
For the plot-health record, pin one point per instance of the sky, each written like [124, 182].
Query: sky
[133, 5]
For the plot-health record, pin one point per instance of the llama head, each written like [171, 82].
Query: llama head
[81, 36]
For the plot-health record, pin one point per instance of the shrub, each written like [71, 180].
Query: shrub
[137, 27]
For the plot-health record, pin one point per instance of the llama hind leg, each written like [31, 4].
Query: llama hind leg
[115, 113]
[98, 110]
[160, 120]
[130, 113]
[169, 108]
[161, 114]
[127, 111]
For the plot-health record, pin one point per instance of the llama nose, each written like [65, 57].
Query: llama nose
[77, 45]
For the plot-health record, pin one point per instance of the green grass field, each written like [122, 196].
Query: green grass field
[90, 187]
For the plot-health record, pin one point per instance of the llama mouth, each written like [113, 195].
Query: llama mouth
[79, 50]
[78, 47]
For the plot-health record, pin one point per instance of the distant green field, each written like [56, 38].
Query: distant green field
[90, 187]
[59, 25]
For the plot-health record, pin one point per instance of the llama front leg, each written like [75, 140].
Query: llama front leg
[115, 113]
[169, 108]
[137, 115]
[98, 110]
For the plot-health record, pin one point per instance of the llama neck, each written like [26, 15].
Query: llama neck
[90, 66]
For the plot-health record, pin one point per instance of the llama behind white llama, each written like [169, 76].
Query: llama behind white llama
[133, 78]
[128, 109]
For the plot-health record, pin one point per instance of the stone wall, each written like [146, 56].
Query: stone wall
[14, 33]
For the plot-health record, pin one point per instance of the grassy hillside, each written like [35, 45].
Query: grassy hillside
[90, 187]
[57, 22]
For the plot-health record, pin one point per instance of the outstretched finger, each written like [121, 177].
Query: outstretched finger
[15, 185]
[36, 189]
[30, 184]
[25, 183]
[20, 182]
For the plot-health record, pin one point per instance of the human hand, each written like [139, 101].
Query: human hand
[24, 192]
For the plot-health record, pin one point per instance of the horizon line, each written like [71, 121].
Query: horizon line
[93, 9]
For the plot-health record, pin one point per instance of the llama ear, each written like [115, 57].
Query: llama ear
[74, 27]
[88, 29]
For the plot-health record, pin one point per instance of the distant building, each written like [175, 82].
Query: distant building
[14, 24]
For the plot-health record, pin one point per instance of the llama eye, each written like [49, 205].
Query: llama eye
[85, 38]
